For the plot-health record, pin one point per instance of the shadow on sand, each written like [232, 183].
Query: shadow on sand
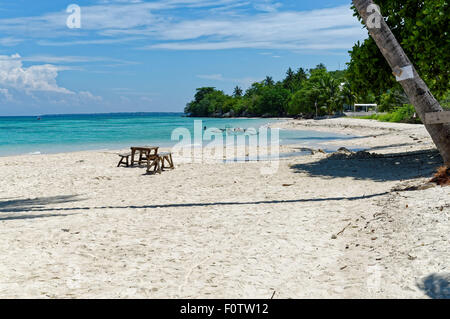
[30, 205]
[391, 167]
[182, 205]
[19, 217]
[436, 286]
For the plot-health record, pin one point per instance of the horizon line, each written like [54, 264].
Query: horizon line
[97, 113]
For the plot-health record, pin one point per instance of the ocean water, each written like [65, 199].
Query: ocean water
[67, 133]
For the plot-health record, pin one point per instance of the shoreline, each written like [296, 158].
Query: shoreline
[144, 135]
[283, 123]
[322, 226]
[64, 149]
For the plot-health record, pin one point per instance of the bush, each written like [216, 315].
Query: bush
[406, 114]
[403, 114]
[445, 102]
[391, 99]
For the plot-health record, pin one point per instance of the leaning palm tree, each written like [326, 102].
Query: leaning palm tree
[416, 89]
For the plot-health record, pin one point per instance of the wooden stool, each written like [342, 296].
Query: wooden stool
[166, 157]
[153, 164]
[124, 159]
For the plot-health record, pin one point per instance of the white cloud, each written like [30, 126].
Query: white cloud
[106, 15]
[124, 99]
[146, 99]
[324, 29]
[213, 25]
[34, 78]
[10, 41]
[76, 59]
[245, 82]
[88, 42]
[37, 83]
[214, 77]
[88, 96]
[267, 5]
[6, 95]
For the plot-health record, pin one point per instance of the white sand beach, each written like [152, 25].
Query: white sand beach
[73, 225]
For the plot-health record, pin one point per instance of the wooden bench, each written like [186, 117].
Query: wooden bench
[124, 159]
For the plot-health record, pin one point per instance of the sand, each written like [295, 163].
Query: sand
[73, 225]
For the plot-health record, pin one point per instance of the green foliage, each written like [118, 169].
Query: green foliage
[338, 75]
[302, 102]
[237, 92]
[271, 100]
[348, 94]
[368, 72]
[421, 27]
[299, 92]
[392, 99]
[207, 101]
[294, 80]
[403, 114]
[445, 102]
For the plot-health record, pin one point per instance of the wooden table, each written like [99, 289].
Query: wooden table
[147, 151]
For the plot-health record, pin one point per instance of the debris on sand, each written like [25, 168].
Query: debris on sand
[344, 150]
[442, 176]
[411, 187]
[344, 153]
[311, 150]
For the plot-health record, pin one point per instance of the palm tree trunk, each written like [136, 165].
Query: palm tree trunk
[416, 89]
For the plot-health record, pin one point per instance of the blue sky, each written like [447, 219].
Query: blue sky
[149, 56]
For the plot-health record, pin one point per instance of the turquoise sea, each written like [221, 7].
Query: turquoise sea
[67, 133]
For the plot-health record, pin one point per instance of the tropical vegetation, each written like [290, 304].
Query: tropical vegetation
[420, 26]
[309, 92]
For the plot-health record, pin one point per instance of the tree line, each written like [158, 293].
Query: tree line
[308, 92]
